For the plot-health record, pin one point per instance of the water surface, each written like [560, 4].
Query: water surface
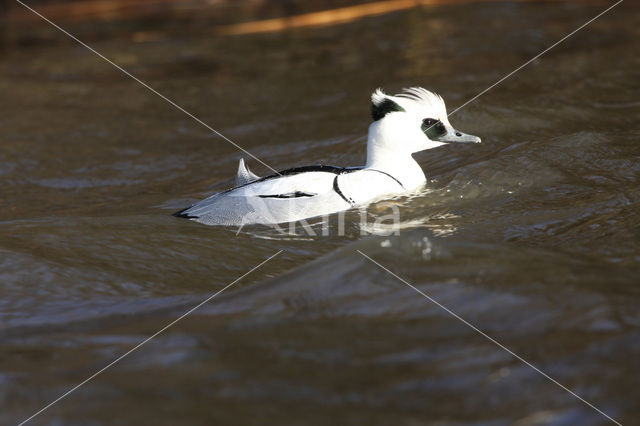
[532, 236]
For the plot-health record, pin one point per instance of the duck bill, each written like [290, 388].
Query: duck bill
[454, 136]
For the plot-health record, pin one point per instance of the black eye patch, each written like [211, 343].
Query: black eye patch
[433, 128]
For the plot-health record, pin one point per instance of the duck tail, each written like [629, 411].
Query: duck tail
[244, 174]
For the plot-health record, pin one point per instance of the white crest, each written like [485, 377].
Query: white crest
[378, 96]
[415, 100]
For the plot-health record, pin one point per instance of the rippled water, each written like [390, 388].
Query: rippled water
[532, 236]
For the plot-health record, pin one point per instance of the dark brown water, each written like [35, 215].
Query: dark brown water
[532, 236]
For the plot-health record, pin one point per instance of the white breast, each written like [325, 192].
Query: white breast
[366, 185]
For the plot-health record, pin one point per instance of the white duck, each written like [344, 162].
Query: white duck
[413, 121]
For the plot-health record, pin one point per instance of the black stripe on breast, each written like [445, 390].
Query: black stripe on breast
[385, 173]
[336, 188]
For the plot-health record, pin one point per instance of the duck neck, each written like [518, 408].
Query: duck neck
[400, 165]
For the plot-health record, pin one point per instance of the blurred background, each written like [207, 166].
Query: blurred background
[533, 236]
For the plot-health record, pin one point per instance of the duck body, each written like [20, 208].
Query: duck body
[293, 194]
[305, 192]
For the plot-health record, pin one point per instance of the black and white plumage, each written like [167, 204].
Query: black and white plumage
[412, 121]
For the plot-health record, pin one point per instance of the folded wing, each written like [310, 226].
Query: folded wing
[292, 195]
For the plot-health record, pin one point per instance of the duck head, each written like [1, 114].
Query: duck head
[412, 121]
